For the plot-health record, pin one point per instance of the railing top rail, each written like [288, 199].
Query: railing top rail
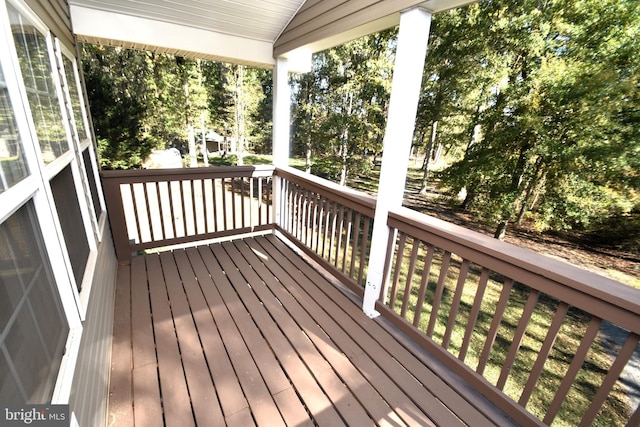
[351, 198]
[579, 287]
[146, 175]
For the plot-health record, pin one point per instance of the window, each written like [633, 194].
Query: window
[12, 163]
[35, 64]
[33, 327]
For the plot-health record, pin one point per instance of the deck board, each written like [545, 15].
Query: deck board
[246, 332]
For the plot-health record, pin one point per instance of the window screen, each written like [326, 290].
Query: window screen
[33, 328]
[70, 216]
[88, 166]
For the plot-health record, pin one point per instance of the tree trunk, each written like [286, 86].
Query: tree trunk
[308, 156]
[501, 231]
[427, 157]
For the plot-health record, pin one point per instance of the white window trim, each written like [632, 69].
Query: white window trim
[36, 187]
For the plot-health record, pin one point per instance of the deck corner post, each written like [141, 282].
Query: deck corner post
[413, 38]
[281, 128]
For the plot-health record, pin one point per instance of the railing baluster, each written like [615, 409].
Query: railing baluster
[572, 372]
[135, 212]
[396, 270]
[183, 203]
[426, 272]
[354, 243]
[532, 300]
[544, 352]
[612, 376]
[194, 206]
[172, 209]
[495, 324]
[409, 281]
[347, 239]
[363, 248]
[339, 230]
[437, 297]
[243, 203]
[473, 316]
[455, 305]
[161, 210]
[147, 205]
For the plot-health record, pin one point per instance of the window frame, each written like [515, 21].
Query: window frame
[35, 187]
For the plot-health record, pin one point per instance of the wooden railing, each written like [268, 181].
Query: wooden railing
[537, 337]
[525, 330]
[163, 207]
[330, 223]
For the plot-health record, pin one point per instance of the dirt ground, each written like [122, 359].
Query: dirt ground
[572, 249]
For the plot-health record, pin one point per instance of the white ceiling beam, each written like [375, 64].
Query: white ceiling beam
[141, 33]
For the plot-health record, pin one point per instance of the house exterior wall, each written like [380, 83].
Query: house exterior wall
[56, 16]
[38, 184]
[88, 400]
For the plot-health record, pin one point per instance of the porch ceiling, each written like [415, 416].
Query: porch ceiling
[251, 32]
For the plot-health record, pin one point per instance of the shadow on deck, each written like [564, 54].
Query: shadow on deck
[247, 332]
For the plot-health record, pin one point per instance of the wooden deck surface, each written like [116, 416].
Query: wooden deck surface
[247, 333]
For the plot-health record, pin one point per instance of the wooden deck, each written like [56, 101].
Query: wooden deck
[246, 333]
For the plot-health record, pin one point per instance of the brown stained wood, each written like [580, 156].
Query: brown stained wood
[120, 403]
[635, 418]
[424, 282]
[348, 229]
[240, 419]
[455, 303]
[172, 208]
[163, 232]
[339, 366]
[572, 372]
[229, 392]
[437, 297]
[136, 215]
[245, 343]
[354, 244]
[173, 389]
[620, 362]
[495, 324]
[364, 249]
[271, 294]
[544, 352]
[214, 202]
[339, 234]
[243, 203]
[225, 211]
[475, 312]
[325, 217]
[183, 207]
[194, 211]
[355, 381]
[293, 412]
[374, 363]
[141, 326]
[532, 300]
[409, 282]
[206, 407]
[402, 240]
[334, 225]
[206, 204]
[146, 397]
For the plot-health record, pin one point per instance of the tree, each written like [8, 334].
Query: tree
[341, 105]
[564, 107]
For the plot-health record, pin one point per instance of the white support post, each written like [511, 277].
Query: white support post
[403, 106]
[281, 126]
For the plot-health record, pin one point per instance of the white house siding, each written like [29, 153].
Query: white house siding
[91, 380]
[56, 16]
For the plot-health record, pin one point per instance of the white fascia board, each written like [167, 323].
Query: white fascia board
[146, 32]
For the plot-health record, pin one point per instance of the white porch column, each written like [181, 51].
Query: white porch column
[281, 128]
[403, 106]
[281, 112]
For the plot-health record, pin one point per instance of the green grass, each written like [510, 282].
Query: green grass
[615, 411]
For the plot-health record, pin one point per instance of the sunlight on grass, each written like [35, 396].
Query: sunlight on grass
[614, 412]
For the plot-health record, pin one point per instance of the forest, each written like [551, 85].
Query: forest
[529, 113]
